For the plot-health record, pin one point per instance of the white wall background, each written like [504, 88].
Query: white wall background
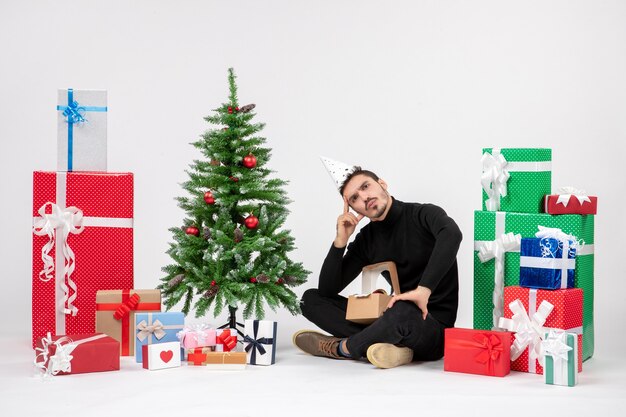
[410, 89]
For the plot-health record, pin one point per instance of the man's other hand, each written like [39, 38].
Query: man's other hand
[419, 296]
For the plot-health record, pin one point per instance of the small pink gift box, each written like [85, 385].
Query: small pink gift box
[199, 335]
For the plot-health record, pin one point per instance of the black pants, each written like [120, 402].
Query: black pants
[402, 325]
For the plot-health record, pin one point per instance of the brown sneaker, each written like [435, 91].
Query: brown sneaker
[386, 355]
[317, 344]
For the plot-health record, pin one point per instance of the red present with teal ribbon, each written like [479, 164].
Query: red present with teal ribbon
[561, 353]
[478, 352]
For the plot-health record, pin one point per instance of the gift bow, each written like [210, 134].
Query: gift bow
[145, 330]
[124, 309]
[554, 346]
[61, 361]
[566, 242]
[66, 220]
[528, 331]
[74, 113]
[494, 178]
[496, 249]
[225, 338]
[565, 193]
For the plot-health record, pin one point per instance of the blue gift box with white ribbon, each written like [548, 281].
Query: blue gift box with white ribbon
[260, 342]
[547, 263]
[153, 328]
[82, 130]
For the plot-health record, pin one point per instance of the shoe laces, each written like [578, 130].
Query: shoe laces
[329, 348]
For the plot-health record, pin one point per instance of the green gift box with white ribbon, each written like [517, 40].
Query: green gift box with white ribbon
[516, 179]
[496, 236]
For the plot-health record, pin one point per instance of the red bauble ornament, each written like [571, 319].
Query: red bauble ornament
[249, 161]
[192, 230]
[235, 179]
[236, 109]
[230, 110]
[253, 280]
[208, 198]
[280, 281]
[251, 221]
[213, 283]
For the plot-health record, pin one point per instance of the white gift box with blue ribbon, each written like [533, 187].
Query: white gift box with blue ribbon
[260, 342]
[81, 130]
[548, 261]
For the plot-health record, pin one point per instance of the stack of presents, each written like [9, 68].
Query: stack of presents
[85, 312]
[533, 274]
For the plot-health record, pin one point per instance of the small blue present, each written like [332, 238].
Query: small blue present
[547, 263]
[152, 328]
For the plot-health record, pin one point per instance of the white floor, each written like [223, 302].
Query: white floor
[301, 385]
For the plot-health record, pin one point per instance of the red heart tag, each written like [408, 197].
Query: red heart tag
[167, 355]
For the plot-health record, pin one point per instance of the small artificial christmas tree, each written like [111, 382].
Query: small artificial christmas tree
[231, 250]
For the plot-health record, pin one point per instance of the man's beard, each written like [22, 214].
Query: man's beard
[379, 211]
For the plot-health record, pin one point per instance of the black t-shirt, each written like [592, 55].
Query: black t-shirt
[423, 242]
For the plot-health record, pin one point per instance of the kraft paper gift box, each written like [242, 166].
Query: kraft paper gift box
[547, 264]
[479, 352]
[116, 310]
[561, 351]
[160, 355]
[562, 310]
[77, 354]
[153, 328]
[197, 356]
[260, 341]
[516, 179]
[82, 242]
[225, 340]
[569, 200]
[226, 360]
[81, 130]
[491, 276]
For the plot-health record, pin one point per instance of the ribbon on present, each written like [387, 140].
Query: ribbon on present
[227, 340]
[560, 358]
[528, 328]
[199, 335]
[489, 345]
[496, 249]
[74, 114]
[566, 193]
[494, 178]
[122, 313]
[57, 226]
[63, 221]
[145, 330]
[197, 356]
[61, 360]
[256, 343]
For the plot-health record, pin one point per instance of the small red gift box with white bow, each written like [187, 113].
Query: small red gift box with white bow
[570, 200]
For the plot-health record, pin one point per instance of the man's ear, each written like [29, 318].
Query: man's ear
[382, 183]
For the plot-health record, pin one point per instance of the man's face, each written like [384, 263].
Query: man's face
[367, 196]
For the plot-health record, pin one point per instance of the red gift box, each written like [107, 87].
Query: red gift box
[478, 352]
[82, 243]
[77, 354]
[570, 204]
[567, 315]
